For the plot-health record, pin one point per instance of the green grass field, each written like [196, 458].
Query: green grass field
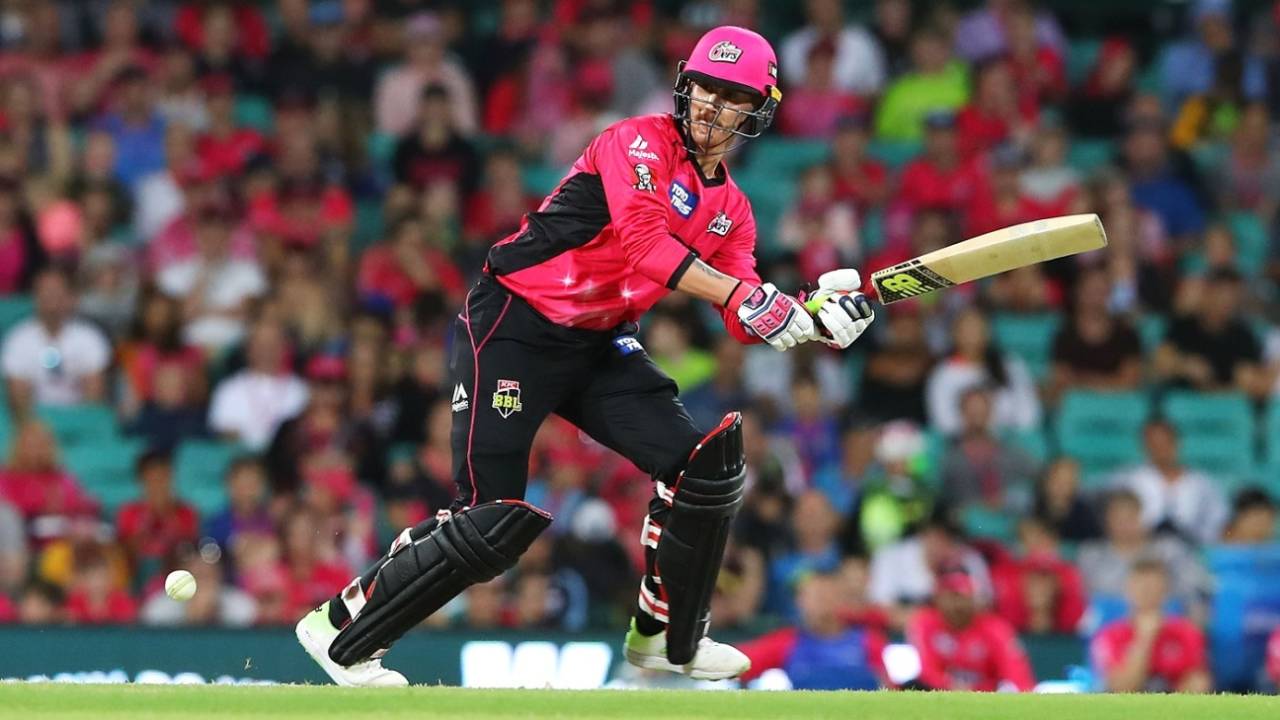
[106, 702]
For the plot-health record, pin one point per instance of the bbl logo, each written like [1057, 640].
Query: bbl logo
[506, 399]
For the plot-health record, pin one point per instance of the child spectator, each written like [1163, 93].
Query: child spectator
[152, 528]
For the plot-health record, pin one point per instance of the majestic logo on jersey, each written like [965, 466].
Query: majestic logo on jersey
[682, 200]
[639, 148]
[506, 399]
[644, 177]
[724, 51]
[720, 224]
[460, 401]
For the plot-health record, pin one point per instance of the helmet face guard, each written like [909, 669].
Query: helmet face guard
[752, 123]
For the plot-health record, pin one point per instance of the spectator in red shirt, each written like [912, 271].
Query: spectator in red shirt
[314, 570]
[303, 211]
[41, 603]
[496, 209]
[252, 38]
[152, 528]
[226, 148]
[1150, 651]
[941, 179]
[1038, 68]
[1006, 204]
[859, 178]
[825, 651]
[996, 113]
[93, 599]
[34, 481]
[406, 267]
[1038, 592]
[97, 70]
[962, 646]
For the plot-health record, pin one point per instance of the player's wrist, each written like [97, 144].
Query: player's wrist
[740, 292]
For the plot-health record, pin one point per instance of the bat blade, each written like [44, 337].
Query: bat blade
[990, 254]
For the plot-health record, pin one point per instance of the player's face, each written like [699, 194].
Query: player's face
[714, 113]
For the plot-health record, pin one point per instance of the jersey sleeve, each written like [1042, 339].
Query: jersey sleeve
[1106, 652]
[933, 670]
[1193, 657]
[636, 173]
[737, 258]
[768, 652]
[1012, 665]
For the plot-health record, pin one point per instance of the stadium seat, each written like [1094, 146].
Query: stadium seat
[255, 112]
[1030, 337]
[1271, 444]
[1089, 154]
[1033, 442]
[1151, 329]
[892, 153]
[1082, 53]
[199, 470]
[542, 179]
[1102, 431]
[786, 156]
[769, 201]
[370, 224]
[106, 469]
[381, 149]
[983, 522]
[14, 309]
[1216, 431]
[1251, 240]
[80, 424]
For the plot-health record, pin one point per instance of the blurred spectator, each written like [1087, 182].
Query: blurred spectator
[135, 127]
[859, 178]
[1096, 108]
[857, 61]
[904, 574]
[740, 586]
[815, 106]
[407, 266]
[493, 211]
[13, 548]
[1253, 518]
[892, 23]
[173, 413]
[1094, 349]
[895, 497]
[810, 426]
[94, 72]
[823, 651]
[813, 525]
[976, 361]
[215, 603]
[843, 482]
[1213, 348]
[18, 249]
[1156, 183]
[92, 598]
[310, 306]
[109, 278]
[1049, 180]
[936, 83]
[54, 358]
[225, 147]
[1247, 178]
[1038, 65]
[214, 286]
[220, 50]
[941, 179]
[249, 406]
[313, 569]
[1061, 504]
[667, 342]
[1039, 592]
[990, 30]
[426, 63]
[978, 468]
[1175, 498]
[1005, 204]
[1150, 651]
[246, 509]
[965, 647]
[724, 391]
[996, 112]
[343, 509]
[151, 528]
[43, 144]
[1139, 255]
[547, 595]
[1105, 564]
[898, 364]
[821, 228]
[36, 485]
[179, 99]
[328, 62]
[41, 603]
[766, 508]
[156, 342]
[303, 210]
[1193, 65]
[588, 113]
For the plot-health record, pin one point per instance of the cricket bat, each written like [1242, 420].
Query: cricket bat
[990, 254]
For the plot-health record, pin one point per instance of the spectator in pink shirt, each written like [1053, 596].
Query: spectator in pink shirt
[34, 481]
[425, 63]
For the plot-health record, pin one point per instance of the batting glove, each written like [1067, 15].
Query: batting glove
[842, 312]
[775, 317]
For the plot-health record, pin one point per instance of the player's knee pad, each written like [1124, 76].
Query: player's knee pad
[473, 545]
[704, 499]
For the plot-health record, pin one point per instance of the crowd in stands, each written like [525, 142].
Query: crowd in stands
[234, 235]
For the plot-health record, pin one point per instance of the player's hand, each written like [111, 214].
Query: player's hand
[775, 317]
[842, 312]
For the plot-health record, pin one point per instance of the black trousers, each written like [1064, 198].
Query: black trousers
[511, 368]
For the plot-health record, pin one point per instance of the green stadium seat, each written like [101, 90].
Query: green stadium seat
[1089, 154]
[895, 154]
[255, 112]
[106, 469]
[381, 149]
[1030, 337]
[984, 522]
[1081, 56]
[370, 224]
[80, 424]
[769, 201]
[1216, 431]
[540, 180]
[1251, 240]
[1101, 431]
[200, 467]
[786, 156]
[872, 232]
[14, 309]
[1271, 440]
[1034, 442]
[1151, 329]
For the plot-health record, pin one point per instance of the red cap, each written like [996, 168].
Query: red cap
[323, 368]
[956, 582]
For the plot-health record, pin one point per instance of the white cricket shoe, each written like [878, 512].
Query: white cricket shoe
[316, 634]
[712, 660]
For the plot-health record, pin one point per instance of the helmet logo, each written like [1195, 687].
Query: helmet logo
[773, 70]
[724, 51]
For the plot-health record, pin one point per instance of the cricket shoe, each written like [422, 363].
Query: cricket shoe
[316, 634]
[711, 661]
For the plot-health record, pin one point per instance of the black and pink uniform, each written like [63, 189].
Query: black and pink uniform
[550, 326]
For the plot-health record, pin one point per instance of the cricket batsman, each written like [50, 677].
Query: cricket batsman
[648, 208]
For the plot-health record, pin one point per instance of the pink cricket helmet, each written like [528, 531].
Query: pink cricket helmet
[737, 58]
